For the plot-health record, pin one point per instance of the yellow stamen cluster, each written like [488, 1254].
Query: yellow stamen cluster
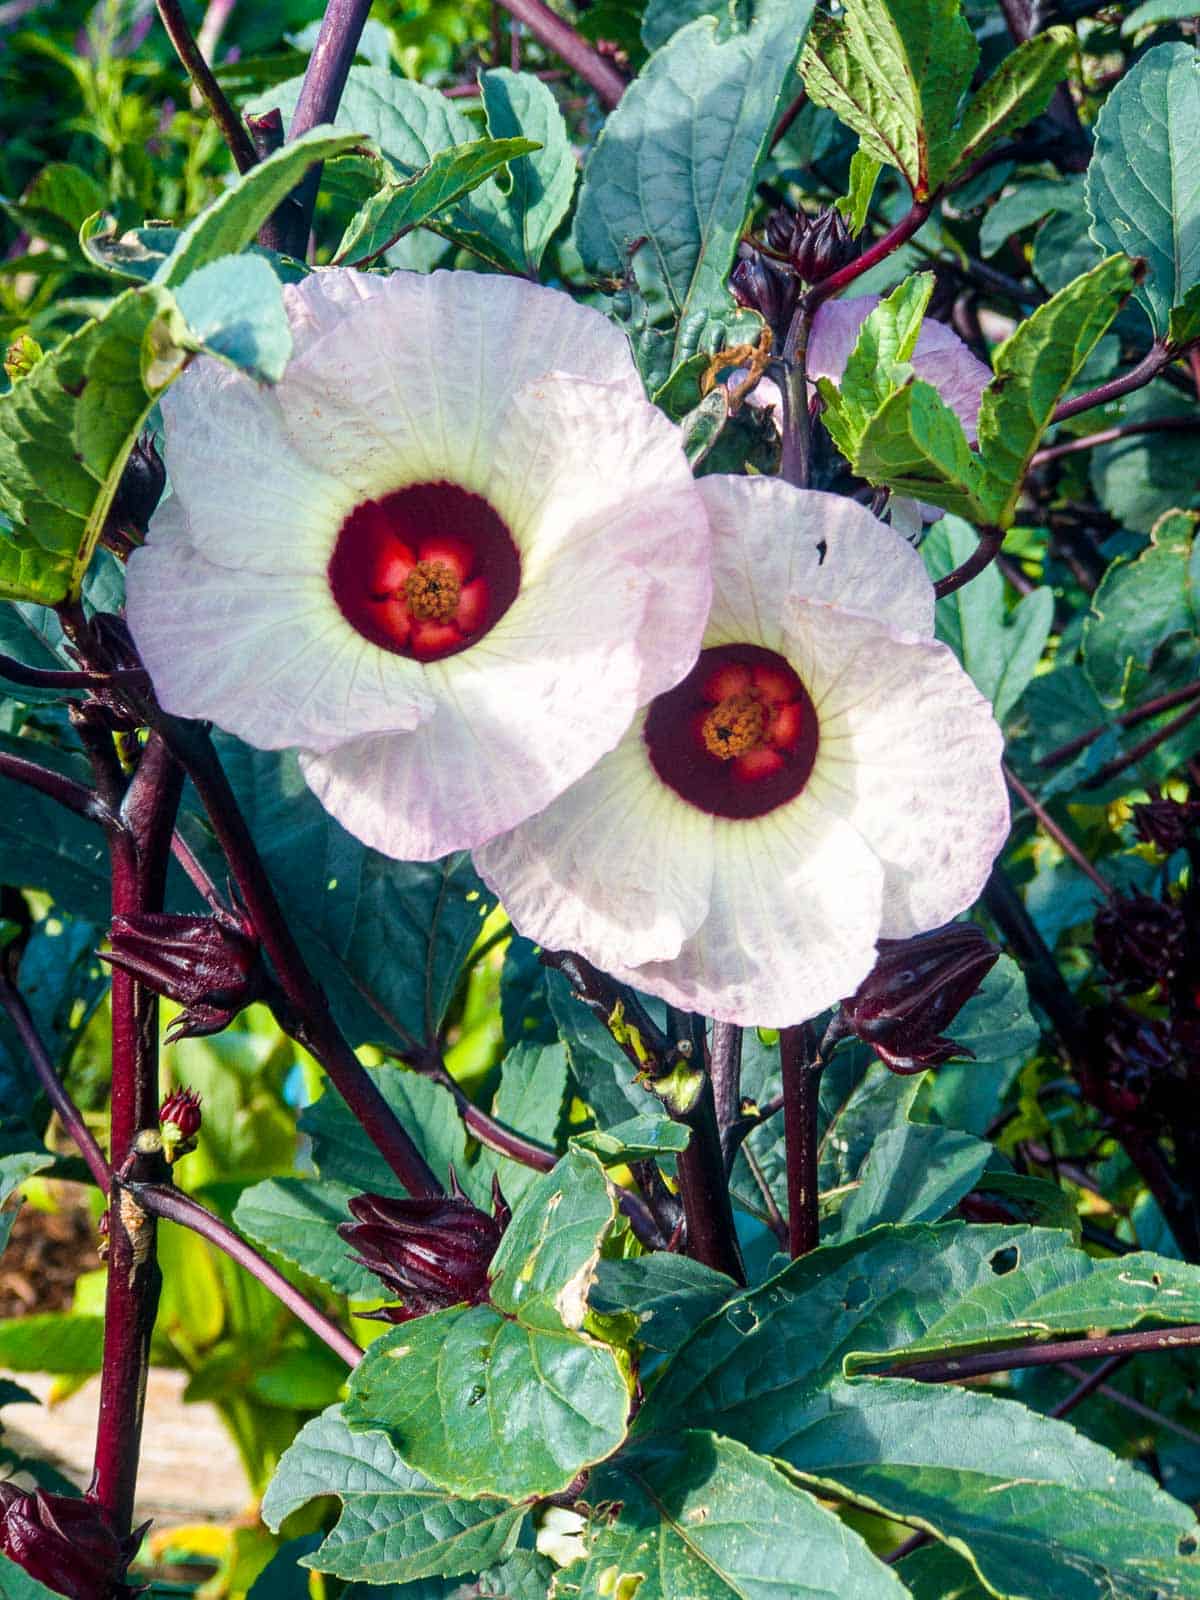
[735, 727]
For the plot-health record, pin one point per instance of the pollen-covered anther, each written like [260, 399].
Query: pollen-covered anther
[432, 590]
[735, 727]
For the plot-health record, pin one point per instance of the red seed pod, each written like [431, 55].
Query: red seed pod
[211, 966]
[432, 1252]
[915, 990]
[1168, 824]
[1140, 941]
[814, 247]
[66, 1543]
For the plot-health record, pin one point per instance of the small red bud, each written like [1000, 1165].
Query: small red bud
[181, 1110]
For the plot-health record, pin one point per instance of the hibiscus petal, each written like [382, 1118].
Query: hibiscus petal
[909, 754]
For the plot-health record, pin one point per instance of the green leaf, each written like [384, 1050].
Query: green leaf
[533, 1081]
[879, 363]
[663, 18]
[1000, 648]
[939, 1573]
[395, 1526]
[398, 207]
[895, 71]
[703, 1517]
[66, 431]
[297, 1219]
[638, 1139]
[44, 846]
[969, 1467]
[1033, 369]
[915, 445]
[1028, 202]
[916, 1172]
[601, 1070]
[388, 939]
[482, 1404]
[235, 307]
[411, 123]
[1019, 90]
[677, 160]
[855, 204]
[1183, 325]
[1143, 475]
[1139, 605]
[1143, 183]
[53, 208]
[227, 226]
[669, 1295]
[547, 1259]
[343, 1153]
[53, 1341]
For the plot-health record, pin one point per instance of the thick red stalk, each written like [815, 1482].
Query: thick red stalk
[801, 1106]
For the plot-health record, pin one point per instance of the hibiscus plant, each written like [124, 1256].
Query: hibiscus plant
[604, 602]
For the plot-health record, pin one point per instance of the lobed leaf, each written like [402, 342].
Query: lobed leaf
[1019, 90]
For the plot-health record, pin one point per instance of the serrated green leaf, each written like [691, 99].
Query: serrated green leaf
[915, 445]
[343, 1153]
[1143, 183]
[1033, 369]
[969, 1467]
[1019, 90]
[398, 207]
[229, 224]
[669, 1295]
[411, 123]
[916, 1172]
[234, 306]
[704, 1517]
[895, 71]
[297, 1219]
[1139, 605]
[481, 1404]
[54, 206]
[677, 161]
[395, 1526]
[547, 1259]
[878, 365]
[66, 431]
[16, 1584]
[855, 204]
[533, 1081]
[1000, 648]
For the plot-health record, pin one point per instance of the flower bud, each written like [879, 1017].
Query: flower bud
[1129, 1071]
[21, 357]
[759, 285]
[1168, 824]
[179, 1121]
[66, 1543]
[212, 966]
[915, 989]
[139, 490]
[432, 1252]
[815, 247]
[1140, 940]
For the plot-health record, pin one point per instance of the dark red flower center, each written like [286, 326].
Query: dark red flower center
[738, 736]
[426, 571]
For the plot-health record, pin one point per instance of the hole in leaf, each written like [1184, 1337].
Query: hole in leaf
[1002, 1261]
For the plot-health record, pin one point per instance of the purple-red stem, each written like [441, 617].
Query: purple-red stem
[1114, 768]
[801, 1068]
[310, 1021]
[69, 1113]
[320, 95]
[953, 1369]
[1127, 719]
[912, 221]
[1123, 430]
[139, 849]
[704, 1189]
[163, 1200]
[76, 797]
[984, 553]
[725, 1069]
[1060, 836]
[1152, 363]
[557, 35]
[233, 130]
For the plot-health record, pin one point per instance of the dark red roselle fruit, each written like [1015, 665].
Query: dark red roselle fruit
[66, 1543]
[433, 1253]
[915, 990]
[211, 966]
[1140, 941]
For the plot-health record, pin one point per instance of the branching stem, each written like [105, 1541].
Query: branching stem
[233, 130]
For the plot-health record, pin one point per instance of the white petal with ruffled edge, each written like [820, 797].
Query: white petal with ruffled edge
[639, 885]
[275, 663]
[910, 754]
[780, 544]
[940, 356]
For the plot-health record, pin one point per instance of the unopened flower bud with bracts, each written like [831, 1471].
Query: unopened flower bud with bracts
[179, 1121]
[915, 990]
[1140, 941]
[212, 966]
[66, 1543]
[1167, 824]
[139, 489]
[432, 1252]
[759, 285]
[814, 247]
